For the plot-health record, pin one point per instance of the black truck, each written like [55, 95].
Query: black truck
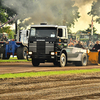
[47, 43]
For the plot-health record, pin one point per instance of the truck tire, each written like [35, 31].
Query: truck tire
[62, 60]
[22, 52]
[2, 49]
[83, 61]
[35, 62]
[8, 56]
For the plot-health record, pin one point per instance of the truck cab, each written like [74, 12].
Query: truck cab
[46, 43]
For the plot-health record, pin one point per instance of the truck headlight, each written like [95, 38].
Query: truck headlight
[52, 53]
[30, 53]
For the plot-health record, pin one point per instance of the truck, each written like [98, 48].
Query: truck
[16, 47]
[49, 43]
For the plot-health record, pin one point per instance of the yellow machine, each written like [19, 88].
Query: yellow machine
[93, 57]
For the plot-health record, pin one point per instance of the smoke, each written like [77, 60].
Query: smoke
[81, 3]
[37, 11]
[51, 11]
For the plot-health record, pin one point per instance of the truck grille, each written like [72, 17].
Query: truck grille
[41, 47]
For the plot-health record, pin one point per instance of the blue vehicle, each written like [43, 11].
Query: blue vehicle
[12, 47]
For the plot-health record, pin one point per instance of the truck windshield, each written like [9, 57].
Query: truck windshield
[43, 32]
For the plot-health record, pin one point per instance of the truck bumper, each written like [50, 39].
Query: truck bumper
[48, 58]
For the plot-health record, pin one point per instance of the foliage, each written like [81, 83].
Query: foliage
[6, 13]
[9, 31]
[11, 34]
[88, 30]
[95, 10]
[3, 16]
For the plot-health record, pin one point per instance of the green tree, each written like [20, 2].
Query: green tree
[95, 10]
[5, 16]
[6, 13]
[9, 31]
[88, 30]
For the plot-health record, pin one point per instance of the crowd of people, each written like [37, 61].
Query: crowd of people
[82, 44]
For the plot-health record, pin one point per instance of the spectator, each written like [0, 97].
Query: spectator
[79, 45]
[96, 46]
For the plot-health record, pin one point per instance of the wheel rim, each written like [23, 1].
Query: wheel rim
[63, 60]
[84, 60]
[25, 54]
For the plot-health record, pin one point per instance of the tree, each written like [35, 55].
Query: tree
[6, 13]
[5, 16]
[88, 30]
[7, 29]
[95, 10]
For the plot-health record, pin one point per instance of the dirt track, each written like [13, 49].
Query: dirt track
[63, 87]
[27, 67]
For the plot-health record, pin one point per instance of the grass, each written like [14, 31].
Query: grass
[48, 73]
[13, 59]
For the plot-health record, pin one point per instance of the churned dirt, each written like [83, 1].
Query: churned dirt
[60, 87]
[28, 67]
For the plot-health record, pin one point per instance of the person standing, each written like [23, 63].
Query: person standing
[96, 46]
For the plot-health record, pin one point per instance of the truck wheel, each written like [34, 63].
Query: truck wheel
[62, 60]
[35, 62]
[83, 61]
[8, 56]
[22, 52]
[2, 49]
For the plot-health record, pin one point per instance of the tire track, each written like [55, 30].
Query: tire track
[70, 87]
